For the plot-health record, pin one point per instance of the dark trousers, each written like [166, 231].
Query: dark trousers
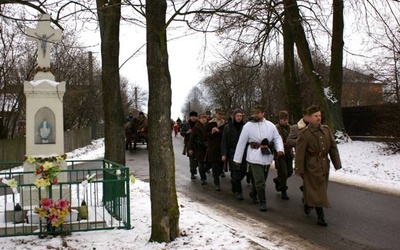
[284, 167]
[193, 163]
[217, 168]
[238, 172]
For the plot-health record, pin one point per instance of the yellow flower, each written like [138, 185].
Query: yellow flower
[30, 159]
[12, 183]
[63, 213]
[47, 165]
[132, 178]
[59, 159]
[42, 214]
[41, 183]
[57, 223]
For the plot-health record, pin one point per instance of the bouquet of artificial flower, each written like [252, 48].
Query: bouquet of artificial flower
[54, 211]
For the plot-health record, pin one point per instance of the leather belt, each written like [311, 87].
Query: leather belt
[255, 145]
[316, 154]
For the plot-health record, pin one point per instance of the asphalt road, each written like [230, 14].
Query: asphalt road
[359, 219]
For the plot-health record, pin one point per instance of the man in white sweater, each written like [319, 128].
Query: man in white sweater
[261, 137]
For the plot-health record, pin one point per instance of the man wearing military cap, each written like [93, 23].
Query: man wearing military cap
[258, 108]
[283, 164]
[314, 144]
[259, 136]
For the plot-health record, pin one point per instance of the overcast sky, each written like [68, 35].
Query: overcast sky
[185, 62]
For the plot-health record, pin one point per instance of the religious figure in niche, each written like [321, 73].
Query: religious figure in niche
[44, 131]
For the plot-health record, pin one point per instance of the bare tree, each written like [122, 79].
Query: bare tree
[232, 84]
[109, 15]
[13, 72]
[382, 23]
[256, 27]
[164, 204]
[195, 101]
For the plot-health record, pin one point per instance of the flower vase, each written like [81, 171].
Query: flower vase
[50, 228]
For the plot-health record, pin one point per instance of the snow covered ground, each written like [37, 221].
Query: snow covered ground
[364, 164]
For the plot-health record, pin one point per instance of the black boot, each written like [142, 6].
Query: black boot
[262, 199]
[248, 177]
[320, 213]
[306, 209]
[253, 197]
[276, 184]
[284, 195]
[233, 186]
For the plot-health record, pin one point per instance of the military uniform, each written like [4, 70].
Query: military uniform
[284, 163]
[313, 146]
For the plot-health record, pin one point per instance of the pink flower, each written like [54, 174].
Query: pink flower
[46, 203]
[63, 203]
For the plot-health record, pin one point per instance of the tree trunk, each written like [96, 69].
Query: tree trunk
[336, 70]
[293, 17]
[109, 15]
[291, 79]
[164, 204]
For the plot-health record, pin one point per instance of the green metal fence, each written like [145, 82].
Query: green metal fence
[103, 202]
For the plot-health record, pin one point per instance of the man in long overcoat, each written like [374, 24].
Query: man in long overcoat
[197, 145]
[186, 131]
[213, 131]
[314, 144]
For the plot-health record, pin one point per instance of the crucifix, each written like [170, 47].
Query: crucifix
[44, 35]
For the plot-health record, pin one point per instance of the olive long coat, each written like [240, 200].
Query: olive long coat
[313, 146]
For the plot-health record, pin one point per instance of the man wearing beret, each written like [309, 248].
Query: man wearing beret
[260, 137]
[313, 146]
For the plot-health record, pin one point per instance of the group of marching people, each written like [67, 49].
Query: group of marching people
[250, 148]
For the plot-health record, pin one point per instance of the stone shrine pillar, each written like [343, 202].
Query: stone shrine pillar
[44, 115]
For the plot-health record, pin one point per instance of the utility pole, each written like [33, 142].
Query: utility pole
[136, 99]
[91, 68]
[92, 120]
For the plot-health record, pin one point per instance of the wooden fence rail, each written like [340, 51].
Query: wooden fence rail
[15, 149]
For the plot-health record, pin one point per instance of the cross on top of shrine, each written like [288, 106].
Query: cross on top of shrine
[44, 35]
